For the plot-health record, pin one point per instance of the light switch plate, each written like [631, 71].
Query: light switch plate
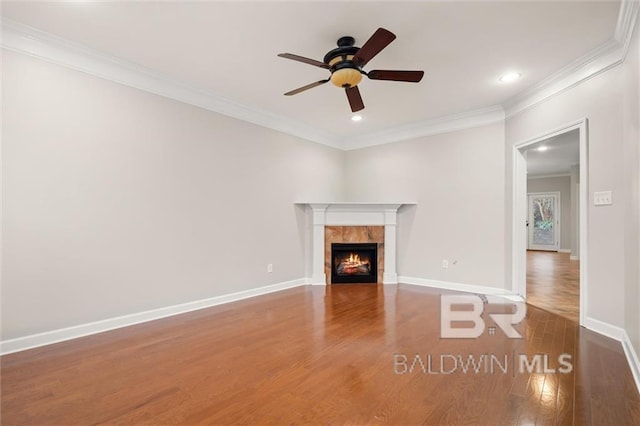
[603, 198]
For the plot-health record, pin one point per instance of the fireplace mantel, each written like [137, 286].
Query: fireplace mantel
[354, 214]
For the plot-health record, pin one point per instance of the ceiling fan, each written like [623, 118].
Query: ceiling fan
[346, 61]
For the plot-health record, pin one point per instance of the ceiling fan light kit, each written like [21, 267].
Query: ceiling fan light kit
[346, 77]
[345, 64]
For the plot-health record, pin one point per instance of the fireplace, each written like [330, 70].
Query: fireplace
[354, 263]
[335, 222]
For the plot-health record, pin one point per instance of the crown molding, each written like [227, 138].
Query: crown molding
[627, 19]
[39, 44]
[450, 123]
[33, 42]
[595, 62]
[27, 40]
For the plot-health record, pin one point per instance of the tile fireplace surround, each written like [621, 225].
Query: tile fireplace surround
[350, 235]
[345, 214]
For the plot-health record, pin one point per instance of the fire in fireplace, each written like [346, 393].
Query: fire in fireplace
[354, 263]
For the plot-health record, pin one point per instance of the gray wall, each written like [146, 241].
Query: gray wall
[117, 201]
[457, 179]
[562, 185]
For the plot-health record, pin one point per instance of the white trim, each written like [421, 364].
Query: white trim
[48, 47]
[604, 328]
[583, 230]
[564, 251]
[627, 17]
[81, 330]
[529, 177]
[447, 285]
[593, 63]
[450, 123]
[619, 334]
[632, 358]
[582, 125]
[565, 128]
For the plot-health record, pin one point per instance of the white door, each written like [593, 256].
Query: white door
[544, 221]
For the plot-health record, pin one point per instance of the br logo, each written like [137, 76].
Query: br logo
[469, 309]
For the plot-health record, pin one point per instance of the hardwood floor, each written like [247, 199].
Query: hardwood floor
[320, 355]
[553, 283]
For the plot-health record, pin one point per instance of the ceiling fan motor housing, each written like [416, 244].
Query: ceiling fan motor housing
[344, 72]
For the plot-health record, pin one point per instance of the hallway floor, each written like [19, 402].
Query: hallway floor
[553, 283]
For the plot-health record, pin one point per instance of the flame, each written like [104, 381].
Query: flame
[355, 260]
[354, 264]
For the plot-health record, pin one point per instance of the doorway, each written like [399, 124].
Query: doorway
[549, 261]
[543, 222]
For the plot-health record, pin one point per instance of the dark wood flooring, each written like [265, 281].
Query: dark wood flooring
[553, 283]
[319, 355]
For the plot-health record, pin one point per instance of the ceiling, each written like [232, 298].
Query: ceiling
[229, 49]
[560, 153]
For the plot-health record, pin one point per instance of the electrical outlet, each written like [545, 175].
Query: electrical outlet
[270, 268]
[445, 264]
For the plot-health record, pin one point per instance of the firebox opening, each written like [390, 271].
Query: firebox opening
[354, 263]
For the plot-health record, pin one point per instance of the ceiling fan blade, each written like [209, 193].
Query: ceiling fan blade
[378, 41]
[355, 100]
[303, 59]
[410, 76]
[307, 87]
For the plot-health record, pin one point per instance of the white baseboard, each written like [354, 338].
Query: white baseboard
[564, 251]
[632, 358]
[604, 328]
[60, 335]
[619, 334]
[468, 288]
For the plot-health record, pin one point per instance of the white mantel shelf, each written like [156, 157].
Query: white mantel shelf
[340, 213]
[358, 204]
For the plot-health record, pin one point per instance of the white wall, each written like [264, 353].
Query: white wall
[457, 179]
[118, 201]
[561, 184]
[600, 100]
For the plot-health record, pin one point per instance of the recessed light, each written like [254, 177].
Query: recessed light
[510, 77]
[356, 117]
[542, 148]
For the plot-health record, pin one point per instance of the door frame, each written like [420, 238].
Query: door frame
[557, 213]
[518, 243]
